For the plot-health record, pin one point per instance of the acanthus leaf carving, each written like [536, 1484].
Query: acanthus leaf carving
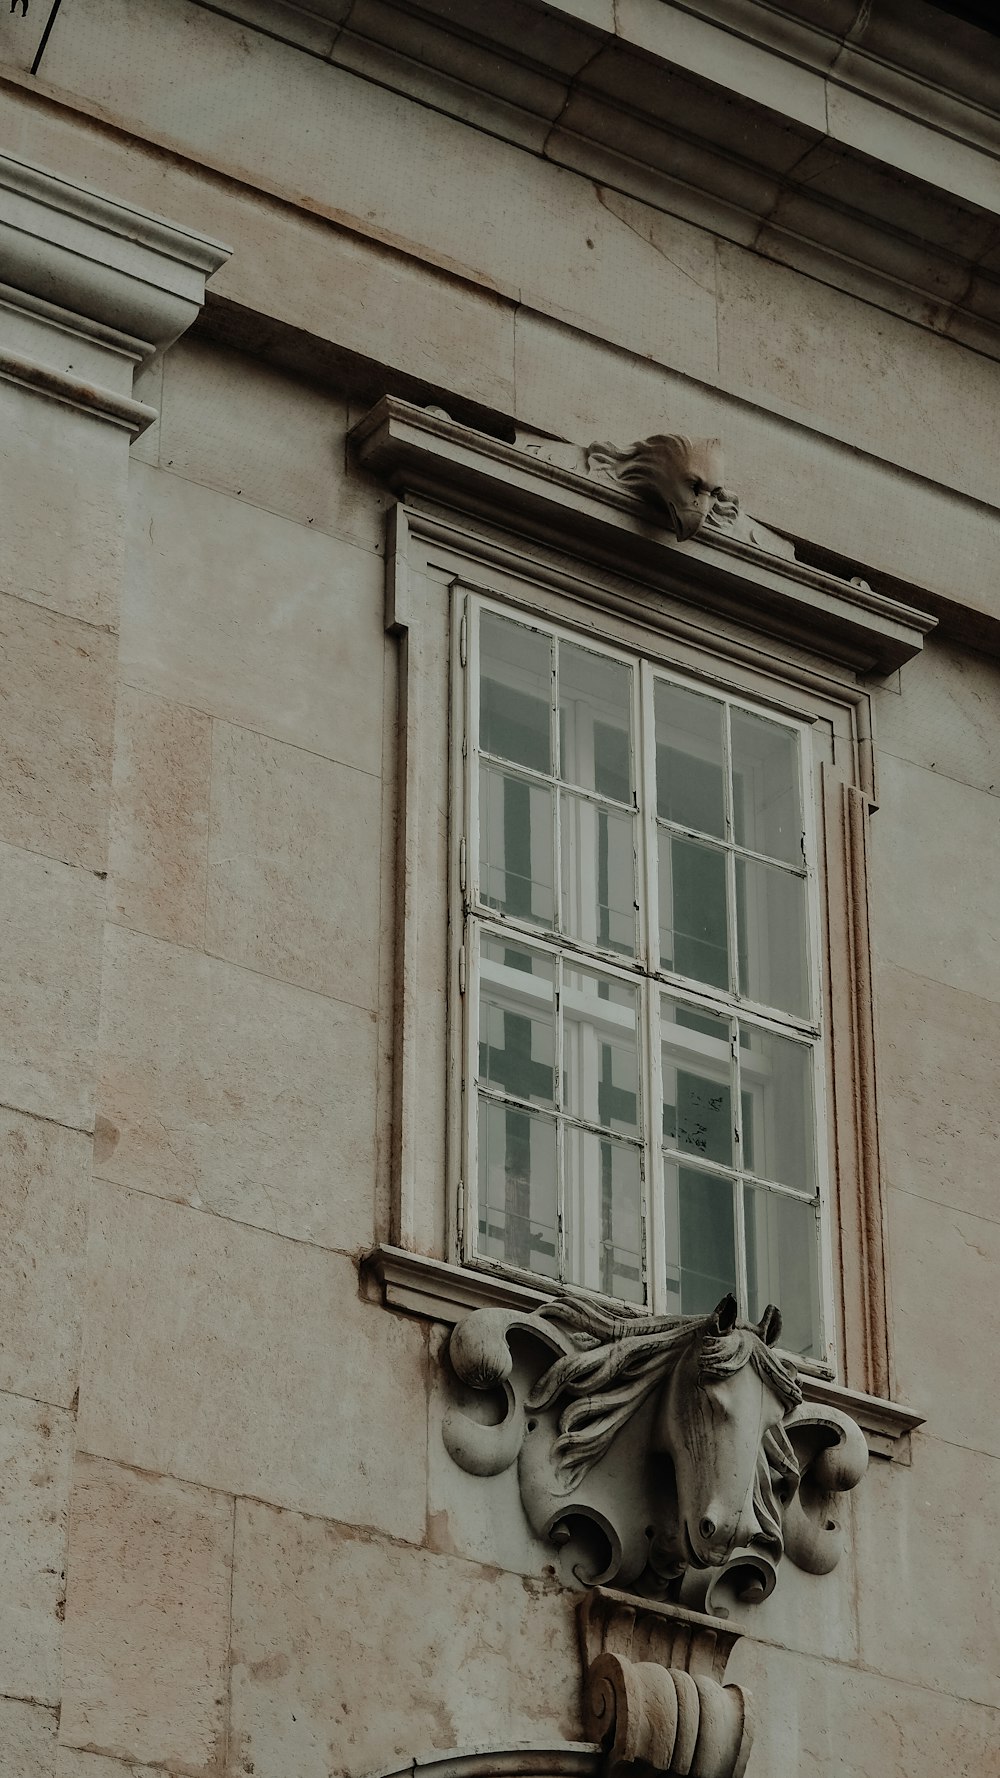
[672, 1456]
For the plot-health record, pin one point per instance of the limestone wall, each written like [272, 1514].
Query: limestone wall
[233, 1546]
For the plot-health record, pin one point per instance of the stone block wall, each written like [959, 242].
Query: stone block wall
[234, 1547]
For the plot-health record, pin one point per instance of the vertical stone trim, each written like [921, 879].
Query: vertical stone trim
[871, 1197]
[92, 289]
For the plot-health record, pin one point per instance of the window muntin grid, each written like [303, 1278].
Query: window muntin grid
[737, 788]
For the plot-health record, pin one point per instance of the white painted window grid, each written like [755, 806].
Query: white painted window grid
[644, 972]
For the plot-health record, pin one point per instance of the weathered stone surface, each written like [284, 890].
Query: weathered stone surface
[325, 1621]
[937, 1080]
[926, 1538]
[893, 389]
[941, 1258]
[55, 740]
[159, 817]
[63, 475]
[235, 1093]
[293, 871]
[943, 712]
[73, 1762]
[936, 861]
[36, 1448]
[640, 276]
[226, 1356]
[44, 1186]
[250, 617]
[49, 980]
[817, 1716]
[147, 1618]
[237, 424]
[27, 1739]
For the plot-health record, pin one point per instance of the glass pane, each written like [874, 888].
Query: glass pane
[515, 692]
[517, 1188]
[603, 1214]
[697, 1083]
[771, 936]
[690, 760]
[767, 805]
[693, 919]
[515, 846]
[777, 1081]
[782, 1239]
[595, 709]
[598, 874]
[701, 1238]
[517, 1021]
[601, 1050]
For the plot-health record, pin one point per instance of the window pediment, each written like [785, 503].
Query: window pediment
[419, 451]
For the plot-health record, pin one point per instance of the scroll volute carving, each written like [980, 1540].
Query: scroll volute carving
[671, 1456]
[653, 1693]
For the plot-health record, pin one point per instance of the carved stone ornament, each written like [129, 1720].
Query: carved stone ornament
[682, 476]
[653, 1692]
[670, 1456]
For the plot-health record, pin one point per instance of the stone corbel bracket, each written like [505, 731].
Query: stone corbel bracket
[653, 1691]
[672, 1455]
[91, 289]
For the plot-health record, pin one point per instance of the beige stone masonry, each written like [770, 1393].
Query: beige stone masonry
[238, 1094]
[36, 1453]
[147, 1619]
[44, 1189]
[201, 1362]
[327, 1621]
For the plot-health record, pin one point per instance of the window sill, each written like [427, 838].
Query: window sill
[444, 1292]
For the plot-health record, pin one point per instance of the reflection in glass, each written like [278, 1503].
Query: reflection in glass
[767, 806]
[697, 1083]
[689, 760]
[603, 1214]
[777, 1079]
[517, 1024]
[601, 1050]
[515, 692]
[595, 722]
[782, 1242]
[515, 846]
[693, 917]
[517, 1188]
[701, 1238]
[771, 936]
[598, 874]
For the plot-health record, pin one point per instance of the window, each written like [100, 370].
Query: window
[643, 1043]
[632, 834]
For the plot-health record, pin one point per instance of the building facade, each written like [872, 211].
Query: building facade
[499, 839]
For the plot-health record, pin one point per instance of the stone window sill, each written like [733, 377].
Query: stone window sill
[441, 1291]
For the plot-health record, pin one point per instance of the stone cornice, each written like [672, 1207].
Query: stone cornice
[856, 143]
[91, 287]
[417, 451]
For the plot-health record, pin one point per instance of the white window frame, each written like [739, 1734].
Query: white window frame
[472, 510]
[476, 918]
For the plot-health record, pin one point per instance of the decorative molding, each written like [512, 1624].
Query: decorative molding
[811, 100]
[92, 287]
[673, 1456]
[421, 451]
[653, 1690]
[441, 1291]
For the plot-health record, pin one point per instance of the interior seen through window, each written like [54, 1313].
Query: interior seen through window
[643, 1060]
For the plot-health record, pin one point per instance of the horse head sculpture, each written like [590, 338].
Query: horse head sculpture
[656, 1448]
